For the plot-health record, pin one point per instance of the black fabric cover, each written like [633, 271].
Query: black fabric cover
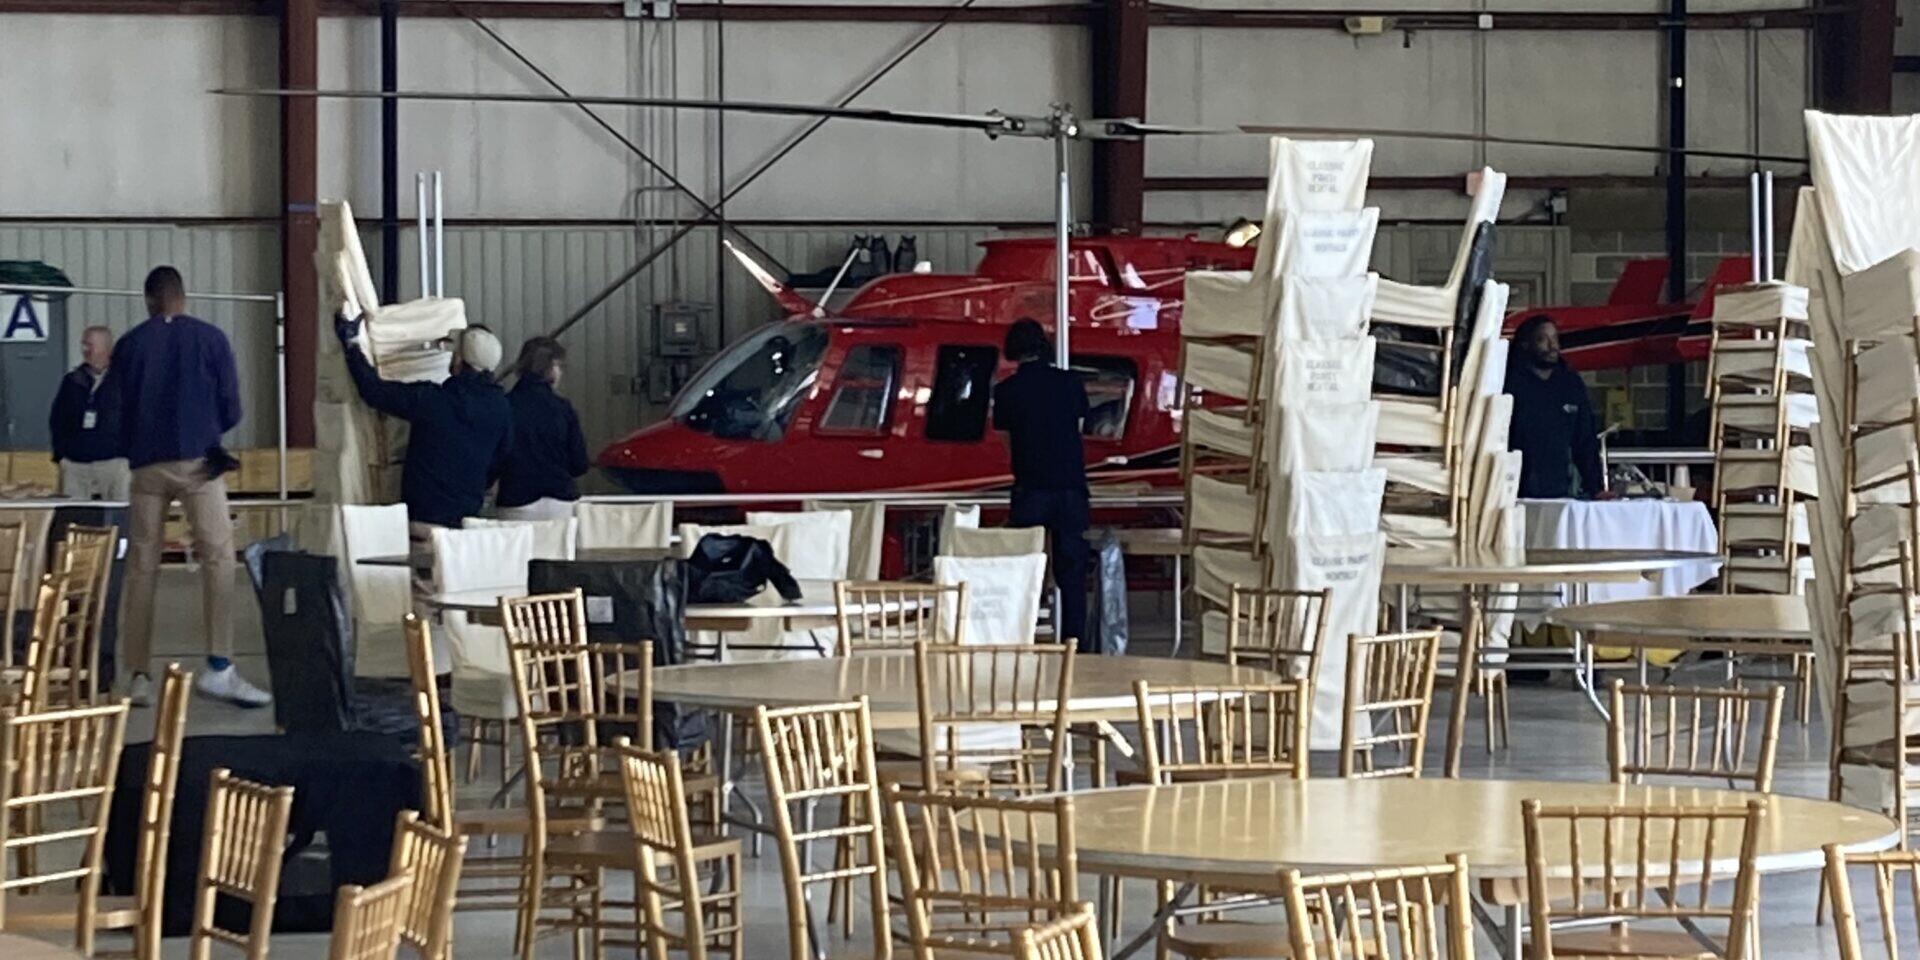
[349, 786]
[310, 650]
[1404, 371]
[1107, 626]
[727, 568]
[629, 601]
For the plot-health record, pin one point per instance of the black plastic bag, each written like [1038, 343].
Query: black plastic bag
[1107, 626]
[728, 568]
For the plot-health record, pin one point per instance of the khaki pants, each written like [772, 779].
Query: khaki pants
[420, 555]
[99, 480]
[155, 487]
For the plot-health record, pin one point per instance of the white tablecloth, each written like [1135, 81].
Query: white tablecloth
[1629, 525]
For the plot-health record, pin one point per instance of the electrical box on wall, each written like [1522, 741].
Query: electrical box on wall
[680, 329]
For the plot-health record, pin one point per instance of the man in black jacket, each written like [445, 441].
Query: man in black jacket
[1553, 424]
[549, 451]
[460, 430]
[85, 424]
[1041, 407]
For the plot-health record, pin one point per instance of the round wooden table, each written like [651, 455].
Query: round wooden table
[1229, 831]
[1472, 570]
[1102, 686]
[1717, 621]
[20, 948]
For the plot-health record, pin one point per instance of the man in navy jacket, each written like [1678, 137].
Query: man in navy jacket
[85, 425]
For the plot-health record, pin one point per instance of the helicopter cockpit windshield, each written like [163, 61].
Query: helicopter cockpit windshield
[750, 391]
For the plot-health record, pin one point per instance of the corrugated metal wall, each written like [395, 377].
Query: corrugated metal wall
[524, 280]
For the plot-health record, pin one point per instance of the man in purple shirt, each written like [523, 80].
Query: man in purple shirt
[179, 393]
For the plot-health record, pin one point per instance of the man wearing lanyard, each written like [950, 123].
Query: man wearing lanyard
[86, 425]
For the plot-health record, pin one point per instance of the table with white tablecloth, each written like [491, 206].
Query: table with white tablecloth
[1676, 525]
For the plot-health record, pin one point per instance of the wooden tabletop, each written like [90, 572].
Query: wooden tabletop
[595, 555]
[1102, 686]
[1745, 616]
[1420, 566]
[1230, 829]
[14, 947]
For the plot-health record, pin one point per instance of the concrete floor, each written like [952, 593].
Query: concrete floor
[1556, 736]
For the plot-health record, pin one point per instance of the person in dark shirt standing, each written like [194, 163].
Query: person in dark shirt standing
[1041, 407]
[460, 431]
[85, 425]
[549, 452]
[1553, 425]
[179, 392]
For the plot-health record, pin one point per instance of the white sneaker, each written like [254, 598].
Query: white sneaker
[229, 686]
[140, 691]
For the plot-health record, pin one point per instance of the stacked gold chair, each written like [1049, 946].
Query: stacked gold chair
[55, 648]
[1389, 699]
[1239, 730]
[971, 871]
[89, 551]
[671, 878]
[993, 717]
[433, 857]
[49, 760]
[246, 832]
[1630, 866]
[825, 753]
[139, 914]
[1726, 735]
[368, 922]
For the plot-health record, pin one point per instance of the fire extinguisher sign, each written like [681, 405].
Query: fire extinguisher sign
[22, 320]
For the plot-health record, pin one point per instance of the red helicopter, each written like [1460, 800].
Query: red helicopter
[1637, 326]
[892, 392]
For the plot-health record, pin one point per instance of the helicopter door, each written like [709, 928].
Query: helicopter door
[859, 413]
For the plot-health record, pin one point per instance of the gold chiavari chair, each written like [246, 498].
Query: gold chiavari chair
[670, 858]
[368, 922]
[59, 757]
[1408, 913]
[1693, 733]
[433, 857]
[971, 872]
[1076, 937]
[818, 753]
[1389, 697]
[1239, 730]
[993, 717]
[246, 833]
[1887, 867]
[54, 649]
[89, 552]
[14, 538]
[1639, 865]
[1279, 630]
[574, 698]
[885, 615]
[138, 914]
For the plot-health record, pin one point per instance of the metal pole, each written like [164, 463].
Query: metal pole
[1766, 220]
[1676, 219]
[439, 241]
[390, 151]
[114, 292]
[280, 374]
[1063, 214]
[420, 227]
[1753, 225]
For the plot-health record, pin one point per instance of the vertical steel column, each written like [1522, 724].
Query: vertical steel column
[1119, 90]
[299, 221]
[1676, 221]
[390, 151]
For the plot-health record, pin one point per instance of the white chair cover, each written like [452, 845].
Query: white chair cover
[995, 542]
[1326, 308]
[1334, 503]
[1333, 371]
[1350, 568]
[1221, 429]
[1759, 304]
[1411, 423]
[1217, 569]
[1003, 595]
[470, 561]
[1334, 243]
[616, 525]
[1882, 299]
[378, 597]
[1221, 303]
[552, 539]
[1888, 381]
[817, 541]
[1755, 358]
[1222, 368]
[1318, 175]
[1223, 506]
[1327, 436]
[954, 516]
[867, 521]
[1434, 307]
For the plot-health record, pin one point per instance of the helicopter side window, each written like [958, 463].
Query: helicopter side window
[864, 391]
[1109, 383]
[962, 390]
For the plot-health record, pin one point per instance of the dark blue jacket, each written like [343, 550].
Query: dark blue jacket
[461, 430]
[549, 451]
[178, 389]
[81, 393]
[1040, 407]
[1554, 429]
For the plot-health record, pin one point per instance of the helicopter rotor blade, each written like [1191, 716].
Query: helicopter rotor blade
[1401, 134]
[991, 124]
